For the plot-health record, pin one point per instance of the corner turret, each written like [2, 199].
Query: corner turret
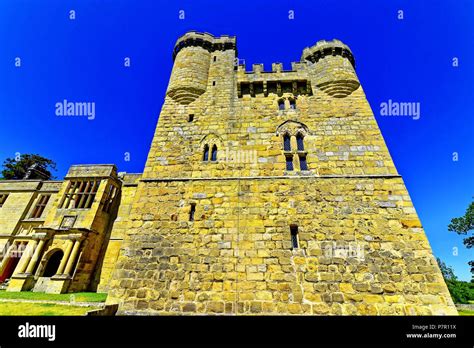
[332, 67]
[192, 58]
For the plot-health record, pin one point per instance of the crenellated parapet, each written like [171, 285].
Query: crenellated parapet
[207, 41]
[296, 67]
[325, 48]
[277, 81]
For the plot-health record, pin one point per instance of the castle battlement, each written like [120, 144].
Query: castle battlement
[207, 41]
[258, 68]
[328, 66]
[325, 48]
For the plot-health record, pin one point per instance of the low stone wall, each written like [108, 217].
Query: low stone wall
[464, 307]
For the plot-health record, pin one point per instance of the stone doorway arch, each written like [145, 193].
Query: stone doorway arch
[53, 262]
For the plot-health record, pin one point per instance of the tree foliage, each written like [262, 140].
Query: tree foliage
[461, 291]
[464, 225]
[37, 167]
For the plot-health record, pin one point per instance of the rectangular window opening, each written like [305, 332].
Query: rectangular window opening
[303, 163]
[192, 211]
[191, 118]
[294, 236]
[80, 194]
[39, 207]
[286, 87]
[272, 87]
[258, 87]
[245, 88]
[289, 163]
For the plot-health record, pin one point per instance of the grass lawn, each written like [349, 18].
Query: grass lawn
[78, 296]
[44, 309]
[465, 312]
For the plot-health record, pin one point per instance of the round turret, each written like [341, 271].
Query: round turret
[192, 58]
[332, 67]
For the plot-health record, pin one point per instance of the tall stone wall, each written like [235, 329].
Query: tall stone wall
[361, 249]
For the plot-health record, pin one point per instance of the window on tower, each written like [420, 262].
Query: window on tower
[289, 162]
[192, 211]
[214, 153]
[292, 135]
[294, 236]
[205, 156]
[281, 104]
[287, 142]
[292, 104]
[299, 142]
[303, 163]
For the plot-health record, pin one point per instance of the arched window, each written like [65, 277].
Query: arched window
[214, 153]
[281, 104]
[205, 157]
[299, 142]
[292, 104]
[287, 142]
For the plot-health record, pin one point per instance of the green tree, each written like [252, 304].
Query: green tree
[28, 166]
[461, 291]
[464, 225]
[446, 271]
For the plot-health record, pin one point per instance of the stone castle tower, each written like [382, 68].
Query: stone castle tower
[272, 192]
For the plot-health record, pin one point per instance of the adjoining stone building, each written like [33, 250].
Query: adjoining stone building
[264, 192]
[56, 236]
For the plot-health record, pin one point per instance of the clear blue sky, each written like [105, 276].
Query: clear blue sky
[402, 60]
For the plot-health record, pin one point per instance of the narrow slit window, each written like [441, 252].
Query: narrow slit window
[303, 163]
[191, 118]
[299, 142]
[214, 153]
[289, 163]
[205, 156]
[286, 142]
[281, 104]
[294, 236]
[215, 58]
[192, 211]
[213, 83]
